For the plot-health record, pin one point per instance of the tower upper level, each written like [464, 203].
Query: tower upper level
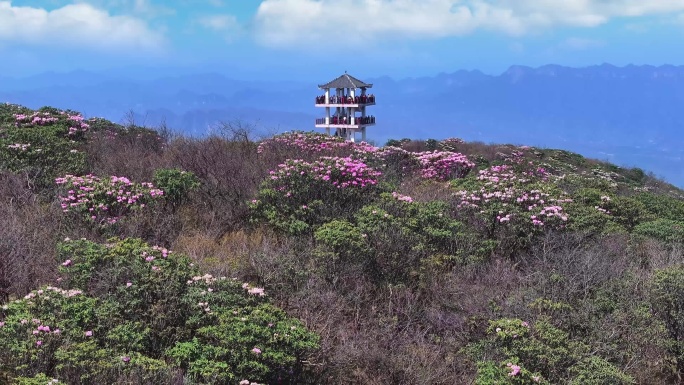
[345, 101]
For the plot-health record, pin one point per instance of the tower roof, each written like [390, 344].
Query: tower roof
[346, 81]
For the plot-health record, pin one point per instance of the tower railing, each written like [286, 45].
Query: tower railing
[334, 99]
[348, 120]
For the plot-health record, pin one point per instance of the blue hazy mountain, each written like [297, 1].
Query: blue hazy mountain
[631, 115]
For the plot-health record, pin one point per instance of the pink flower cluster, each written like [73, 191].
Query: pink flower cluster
[247, 382]
[207, 279]
[253, 290]
[515, 369]
[47, 290]
[450, 144]
[104, 201]
[340, 172]
[19, 146]
[503, 187]
[444, 165]
[35, 119]
[403, 198]
[397, 157]
[75, 122]
[313, 142]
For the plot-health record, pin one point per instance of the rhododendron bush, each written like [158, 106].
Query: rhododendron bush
[299, 143]
[126, 308]
[299, 193]
[512, 204]
[104, 201]
[443, 165]
[540, 353]
[41, 143]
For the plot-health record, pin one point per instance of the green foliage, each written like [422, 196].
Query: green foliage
[590, 219]
[505, 373]
[176, 184]
[42, 144]
[662, 206]
[41, 152]
[665, 230]
[40, 379]
[596, 370]
[542, 352]
[405, 237]
[667, 298]
[128, 309]
[431, 144]
[628, 212]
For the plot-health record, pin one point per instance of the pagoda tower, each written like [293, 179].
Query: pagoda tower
[345, 101]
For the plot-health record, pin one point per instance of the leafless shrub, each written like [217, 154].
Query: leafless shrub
[29, 227]
[230, 174]
[576, 265]
[131, 154]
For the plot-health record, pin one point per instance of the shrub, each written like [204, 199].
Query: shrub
[665, 230]
[127, 308]
[596, 370]
[662, 206]
[395, 162]
[176, 184]
[41, 153]
[300, 194]
[442, 165]
[104, 201]
[539, 352]
[667, 299]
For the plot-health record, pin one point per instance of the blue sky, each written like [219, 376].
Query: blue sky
[300, 39]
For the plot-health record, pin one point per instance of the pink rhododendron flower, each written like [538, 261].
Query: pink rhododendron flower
[515, 369]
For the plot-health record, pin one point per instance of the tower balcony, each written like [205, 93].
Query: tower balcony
[353, 122]
[341, 101]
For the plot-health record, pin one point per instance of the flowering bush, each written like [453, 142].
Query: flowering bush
[443, 165]
[104, 201]
[511, 204]
[313, 143]
[395, 162]
[42, 143]
[450, 144]
[65, 123]
[406, 239]
[128, 309]
[539, 352]
[299, 193]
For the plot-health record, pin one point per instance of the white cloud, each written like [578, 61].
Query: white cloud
[301, 22]
[219, 22]
[75, 25]
[226, 26]
[145, 7]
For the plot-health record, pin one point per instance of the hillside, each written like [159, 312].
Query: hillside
[129, 255]
[629, 115]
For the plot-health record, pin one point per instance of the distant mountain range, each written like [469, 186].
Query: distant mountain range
[632, 116]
